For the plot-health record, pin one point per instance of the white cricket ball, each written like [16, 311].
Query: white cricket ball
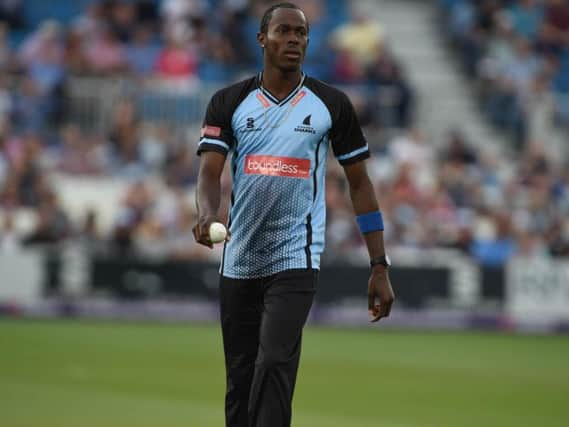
[217, 232]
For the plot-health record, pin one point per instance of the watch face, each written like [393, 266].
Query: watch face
[382, 260]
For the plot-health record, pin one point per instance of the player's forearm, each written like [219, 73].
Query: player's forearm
[364, 201]
[208, 194]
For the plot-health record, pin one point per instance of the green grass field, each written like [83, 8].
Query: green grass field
[90, 374]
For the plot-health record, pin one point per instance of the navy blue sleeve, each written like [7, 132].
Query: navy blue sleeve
[217, 131]
[346, 136]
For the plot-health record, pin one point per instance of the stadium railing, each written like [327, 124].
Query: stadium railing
[90, 101]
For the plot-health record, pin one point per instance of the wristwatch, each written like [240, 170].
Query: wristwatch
[381, 260]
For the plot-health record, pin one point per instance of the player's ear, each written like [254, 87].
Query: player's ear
[261, 39]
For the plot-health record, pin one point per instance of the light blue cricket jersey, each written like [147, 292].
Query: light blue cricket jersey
[279, 150]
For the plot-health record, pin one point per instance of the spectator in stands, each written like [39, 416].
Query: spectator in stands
[6, 54]
[395, 103]
[52, 225]
[123, 19]
[26, 174]
[156, 144]
[458, 150]
[361, 39]
[346, 70]
[179, 12]
[78, 155]
[493, 243]
[181, 169]
[412, 152]
[554, 34]
[538, 105]
[105, 55]
[88, 25]
[88, 234]
[177, 64]
[149, 238]
[75, 60]
[526, 17]
[234, 15]
[11, 12]
[511, 86]
[125, 140]
[142, 52]
[42, 55]
[134, 207]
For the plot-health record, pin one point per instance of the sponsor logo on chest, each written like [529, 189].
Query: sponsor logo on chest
[290, 167]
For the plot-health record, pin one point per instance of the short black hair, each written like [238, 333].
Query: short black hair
[269, 14]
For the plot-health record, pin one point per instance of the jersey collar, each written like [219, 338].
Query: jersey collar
[273, 98]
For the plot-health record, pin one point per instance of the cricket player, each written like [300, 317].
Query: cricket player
[278, 127]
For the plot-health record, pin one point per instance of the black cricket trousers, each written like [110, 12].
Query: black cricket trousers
[262, 321]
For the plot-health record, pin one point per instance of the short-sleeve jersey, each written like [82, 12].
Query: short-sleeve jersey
[279, 150]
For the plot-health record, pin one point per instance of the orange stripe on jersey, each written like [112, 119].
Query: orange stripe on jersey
[263, 100]
[298, 97]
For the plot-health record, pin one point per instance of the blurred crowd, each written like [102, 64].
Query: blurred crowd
[454, 196]
[518, 50]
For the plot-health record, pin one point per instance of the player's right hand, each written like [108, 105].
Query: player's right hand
[201, 230]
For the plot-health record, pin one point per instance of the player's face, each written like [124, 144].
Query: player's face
[286, 39]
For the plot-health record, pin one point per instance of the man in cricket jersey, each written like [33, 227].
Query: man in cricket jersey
[278, 127]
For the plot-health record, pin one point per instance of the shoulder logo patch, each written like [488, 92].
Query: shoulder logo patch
[208, 130]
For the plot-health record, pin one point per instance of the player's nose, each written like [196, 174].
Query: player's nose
[293, 39]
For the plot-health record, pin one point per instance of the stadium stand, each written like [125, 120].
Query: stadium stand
[101, 104]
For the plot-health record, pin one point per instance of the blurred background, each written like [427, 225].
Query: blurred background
[465, 104]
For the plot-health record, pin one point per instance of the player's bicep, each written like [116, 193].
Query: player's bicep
[356, 173]
[211, 164]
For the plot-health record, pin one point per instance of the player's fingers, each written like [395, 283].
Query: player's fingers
[383, 311]
[386, 305]
[201, 237]
[388, 308]
[370, 301]
[375, 314]
[206, 240]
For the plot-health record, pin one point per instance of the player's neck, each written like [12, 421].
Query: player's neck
[280, 83]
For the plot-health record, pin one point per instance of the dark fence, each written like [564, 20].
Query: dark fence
[416, 287]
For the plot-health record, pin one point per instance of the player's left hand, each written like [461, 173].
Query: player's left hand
[380, 294]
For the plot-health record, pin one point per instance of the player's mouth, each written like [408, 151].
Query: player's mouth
[292, 54]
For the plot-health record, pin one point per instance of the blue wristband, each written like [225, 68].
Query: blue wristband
[369, 222]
